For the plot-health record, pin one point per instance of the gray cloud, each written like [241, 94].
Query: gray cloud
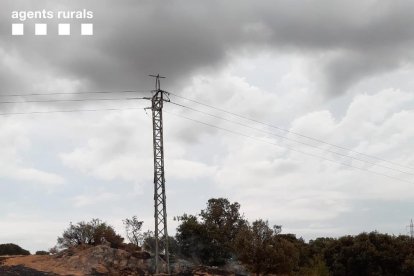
[109, 154]
[180, 38]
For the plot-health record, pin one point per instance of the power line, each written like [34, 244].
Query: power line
[190, 108]
[72, 93]
[290, 139]
[70, 100]
[292, 132]
[69, 111]
[290, 148]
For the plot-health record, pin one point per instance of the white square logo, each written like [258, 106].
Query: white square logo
[87, 29]
[17, 29]
[41, 29]
[64, 29]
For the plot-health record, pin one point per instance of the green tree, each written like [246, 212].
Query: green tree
[263, 251]
[42, 252]
[222, 221]
[94, 232]
[408, 265]
[12, 249]
[149, 243]
[210, 240]
[133, 229]
[369, 254]
[192, 238]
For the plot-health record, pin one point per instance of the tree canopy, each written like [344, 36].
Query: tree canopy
[209, 237]
[93, 232]
[219, 234]
[12, 249]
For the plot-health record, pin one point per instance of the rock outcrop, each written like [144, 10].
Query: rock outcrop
[91, 260]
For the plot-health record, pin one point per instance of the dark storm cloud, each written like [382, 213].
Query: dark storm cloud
[354, 39]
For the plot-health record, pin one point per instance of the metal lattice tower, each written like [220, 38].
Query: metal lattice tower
[411, 229]
[160, 213]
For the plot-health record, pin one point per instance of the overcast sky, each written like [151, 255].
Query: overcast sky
[336, 71]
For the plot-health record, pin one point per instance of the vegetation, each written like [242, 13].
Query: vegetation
[12, 249]
[133, 231]
[42, 252]
[219, 235]
[94, 232]
[366, 254]
[149, 244]
[210, 240]
[263, 250]
[54, 250]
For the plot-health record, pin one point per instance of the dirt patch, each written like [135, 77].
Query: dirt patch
[20, 270]
[97, 260]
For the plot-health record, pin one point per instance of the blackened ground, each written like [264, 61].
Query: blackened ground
[21, 271]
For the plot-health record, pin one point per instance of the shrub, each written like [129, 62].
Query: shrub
[42, 252]
[133, 230]
[12, 249]
[94, 232]
[210, 240]
[54, 250]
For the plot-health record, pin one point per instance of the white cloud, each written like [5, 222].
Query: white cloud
[105, 149]
[116, 148]
[311, 189]
[94, 198]
[32, 175]
[187, 169]
[31, 232]
[15, 137]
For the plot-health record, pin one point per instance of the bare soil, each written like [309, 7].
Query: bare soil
[94, 261]
[80, 261]
[20, 270]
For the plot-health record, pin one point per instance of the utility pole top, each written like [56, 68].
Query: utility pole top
[157, 81]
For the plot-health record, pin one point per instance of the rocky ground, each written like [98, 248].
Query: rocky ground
[95, 261]
[20, 270]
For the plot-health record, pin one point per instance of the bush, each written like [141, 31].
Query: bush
[94, 232]
[210, 240]
[133, 230]
[149, 244]
[12, 249]
[130, 247]
[54, 250]
[42, 252]
[264, 251]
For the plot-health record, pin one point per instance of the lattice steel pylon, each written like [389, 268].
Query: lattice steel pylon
[411, 229]
[160, 212]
